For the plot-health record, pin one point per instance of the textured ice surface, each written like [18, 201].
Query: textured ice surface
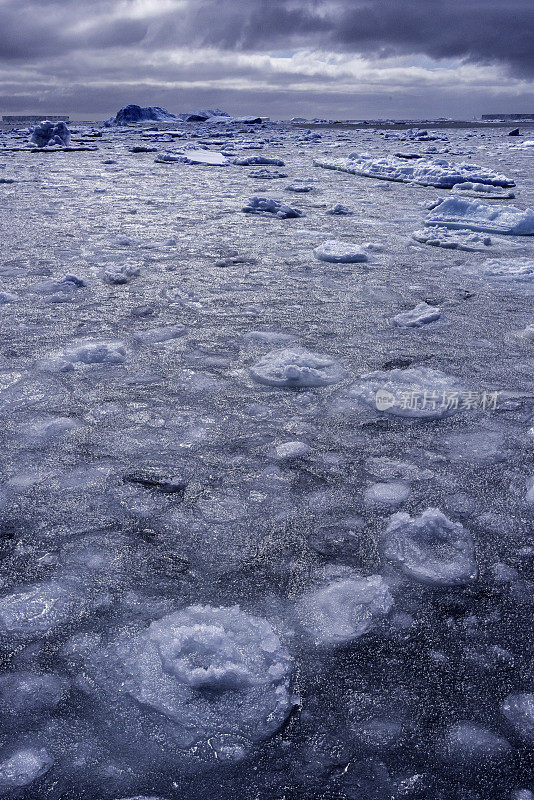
[440, 173]
[430, 548]
[340, 252]
[203, 674]
[455, 212]
[270, 206]
[296, 368]
[344, 609]
[254, 161]
[466, 741]
[422, 314]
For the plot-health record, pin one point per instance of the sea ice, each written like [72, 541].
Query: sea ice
[430, 548]
[204, 674]
[455, 212]
[422, 314]
[296, 368]
[24, 767]
[29, 692]
[340, 252]
[36, 609]
[49, 134]
[345, 608]
[270, 206]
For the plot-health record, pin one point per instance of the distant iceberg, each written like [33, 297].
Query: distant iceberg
[132, 113]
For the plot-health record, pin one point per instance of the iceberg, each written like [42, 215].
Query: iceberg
[133, 113]
[50, 134]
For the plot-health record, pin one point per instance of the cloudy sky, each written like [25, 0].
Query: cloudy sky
[283, 58]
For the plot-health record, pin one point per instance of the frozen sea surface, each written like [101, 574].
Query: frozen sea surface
[266, 518]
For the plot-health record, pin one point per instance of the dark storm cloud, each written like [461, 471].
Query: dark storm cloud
[479, 30]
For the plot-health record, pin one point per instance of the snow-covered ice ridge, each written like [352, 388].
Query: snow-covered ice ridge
[267, 490]
[426, 172]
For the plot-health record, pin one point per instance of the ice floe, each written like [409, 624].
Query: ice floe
[438, 236]
[269, 206]
[417, 393]
[519, 711]
[439, 173]
[345, 608]
[422, 314]
[210, 675]
[340, 252]
[202, 157]
[430, 548]
[296, 368]
[23, 767]
[455, 212]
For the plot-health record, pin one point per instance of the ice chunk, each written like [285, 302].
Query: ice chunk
[299, 187]
[438, 236]
[340, 252]
[90, 353]
[269, 205]
[207, 157]
[469, 189]
[339, 210]
[30, 692]
[387, 494]
[257, 161]
[202, 672]
[469, 741]
[267, 174]
[24, 767]
[455, 212]
[344, 609]
[162, 334]
[296, 368]
[49, 134]
[430, 548]
[519, 711]
[497, 269]
[291, 450]
[440, 173]
[38, 608]
[422, 314]
[417, 392]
